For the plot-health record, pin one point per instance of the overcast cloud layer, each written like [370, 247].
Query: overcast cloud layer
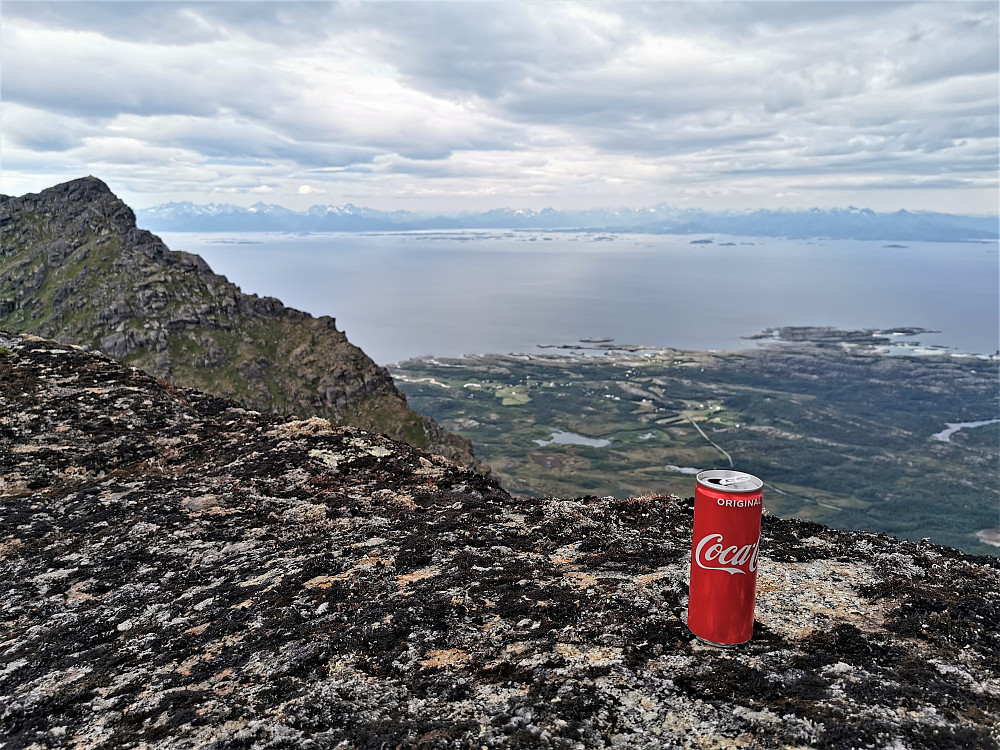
[445, 106]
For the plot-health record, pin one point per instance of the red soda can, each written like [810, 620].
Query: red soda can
[724, 550]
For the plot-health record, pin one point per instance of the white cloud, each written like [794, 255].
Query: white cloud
[87, 75]
[568, 104]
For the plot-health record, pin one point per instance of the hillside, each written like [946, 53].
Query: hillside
[179, 572]
[74, 266]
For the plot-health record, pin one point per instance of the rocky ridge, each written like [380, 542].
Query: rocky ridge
[180, 572]
[75, 266]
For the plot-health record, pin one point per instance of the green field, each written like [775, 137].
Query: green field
[841, 436]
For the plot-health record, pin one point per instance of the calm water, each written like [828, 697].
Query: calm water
[450, 293]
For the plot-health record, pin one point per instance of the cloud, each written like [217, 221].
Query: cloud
[41, 131]
[309, 190]
[233, 140]
[570, 101]
[182, 23]
[313, 108]
[463, 50]
[84, 74]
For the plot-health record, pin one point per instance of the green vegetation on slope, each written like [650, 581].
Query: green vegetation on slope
[74, 267]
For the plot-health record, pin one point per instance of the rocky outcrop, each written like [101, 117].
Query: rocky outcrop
[179, 572]
[74, 266]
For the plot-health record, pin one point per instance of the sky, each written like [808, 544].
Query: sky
[450, 106]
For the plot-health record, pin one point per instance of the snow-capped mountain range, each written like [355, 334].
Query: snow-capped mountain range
[845, 223]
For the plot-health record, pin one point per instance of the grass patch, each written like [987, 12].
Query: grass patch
[513, 395]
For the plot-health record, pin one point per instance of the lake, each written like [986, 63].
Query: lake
[400, 295]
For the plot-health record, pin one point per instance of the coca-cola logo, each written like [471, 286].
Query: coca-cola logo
[711, 553]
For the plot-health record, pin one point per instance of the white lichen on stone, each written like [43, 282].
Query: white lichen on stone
[327, 457]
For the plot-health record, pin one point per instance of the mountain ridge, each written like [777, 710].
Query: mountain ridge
[847, 223]
[74, 265]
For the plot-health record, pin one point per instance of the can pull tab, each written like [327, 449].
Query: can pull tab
[726, 481]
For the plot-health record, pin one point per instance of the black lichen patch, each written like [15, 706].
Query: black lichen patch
[954, 610]
[784, 539]
[951, 620]
[732, 683]
[843, 643]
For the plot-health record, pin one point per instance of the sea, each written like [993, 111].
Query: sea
[449, 293]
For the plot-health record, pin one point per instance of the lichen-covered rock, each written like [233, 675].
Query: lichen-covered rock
[179, 572]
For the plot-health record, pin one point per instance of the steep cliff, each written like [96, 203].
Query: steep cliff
[179, 572]
[74, 266]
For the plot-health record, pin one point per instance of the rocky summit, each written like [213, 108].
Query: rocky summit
[74, 266]
[177, 571]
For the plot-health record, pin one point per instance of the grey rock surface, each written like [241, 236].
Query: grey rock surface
[179, 572]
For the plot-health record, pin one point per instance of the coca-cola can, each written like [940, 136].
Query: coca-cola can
[724, 552]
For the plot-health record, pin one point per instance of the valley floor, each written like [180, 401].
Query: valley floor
[840, 434]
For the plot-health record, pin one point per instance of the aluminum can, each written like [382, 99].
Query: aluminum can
[724, 550]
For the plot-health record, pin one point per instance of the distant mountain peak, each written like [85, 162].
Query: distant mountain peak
[662, 218]
[81, 188]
